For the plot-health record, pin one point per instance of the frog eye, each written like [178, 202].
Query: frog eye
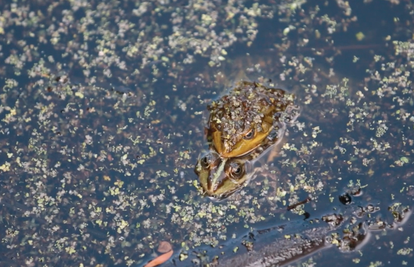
[236, 170]
[249, 135]
[206, 161]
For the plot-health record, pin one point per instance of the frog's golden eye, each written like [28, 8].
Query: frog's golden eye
[249, 135]
[235, 170]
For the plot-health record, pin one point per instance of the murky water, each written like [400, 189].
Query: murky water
[102, 122]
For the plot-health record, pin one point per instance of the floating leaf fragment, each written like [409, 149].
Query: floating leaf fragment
[164, 247]
[160, 259]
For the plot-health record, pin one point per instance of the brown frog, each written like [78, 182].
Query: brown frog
[250, 116]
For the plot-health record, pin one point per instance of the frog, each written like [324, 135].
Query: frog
[250, 116]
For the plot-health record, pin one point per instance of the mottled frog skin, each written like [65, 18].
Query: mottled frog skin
[241, 127]
[249, 116]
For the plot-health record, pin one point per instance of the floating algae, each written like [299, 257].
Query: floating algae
[101, 122]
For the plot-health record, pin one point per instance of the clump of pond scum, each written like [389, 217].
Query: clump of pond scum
[101, 110]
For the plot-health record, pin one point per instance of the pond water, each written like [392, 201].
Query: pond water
[103, 108]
